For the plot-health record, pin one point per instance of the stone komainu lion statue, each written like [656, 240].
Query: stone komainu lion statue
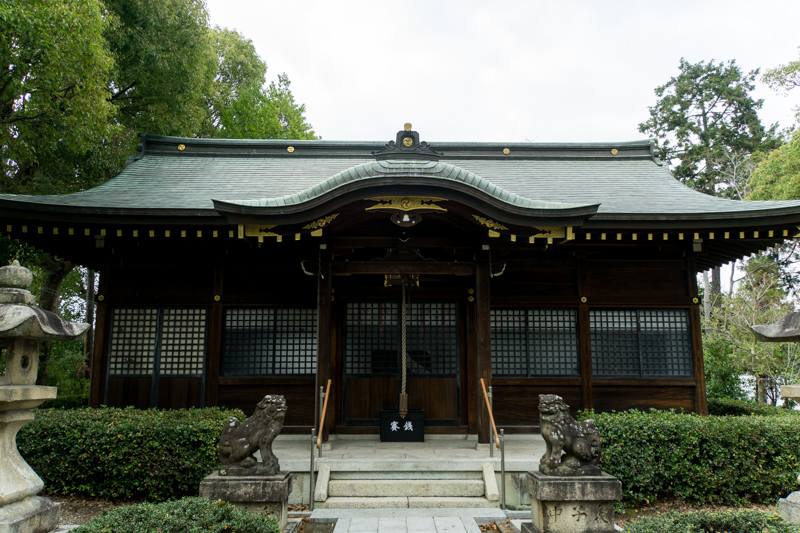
[578, 443]
[240, 440]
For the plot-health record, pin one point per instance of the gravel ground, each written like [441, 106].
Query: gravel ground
[78, 511]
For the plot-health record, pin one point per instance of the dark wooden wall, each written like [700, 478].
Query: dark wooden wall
[634, 280]
[239, 273]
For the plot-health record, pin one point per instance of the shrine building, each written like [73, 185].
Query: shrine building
[231, 269]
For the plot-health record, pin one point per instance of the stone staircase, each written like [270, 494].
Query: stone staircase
[406, 488]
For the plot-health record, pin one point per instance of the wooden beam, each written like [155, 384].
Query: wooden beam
[483, 342]
[700, 401]
[98, 380]
[216, 324]
[584, 333]
[377, 267]
[324, 352]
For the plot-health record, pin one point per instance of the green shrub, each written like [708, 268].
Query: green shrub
[123, 453]
[66, 402]
[189, 515]
[700, 459]
[744, 521]
[727, 407]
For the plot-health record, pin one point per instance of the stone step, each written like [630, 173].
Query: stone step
[402, 502]
[366, 488]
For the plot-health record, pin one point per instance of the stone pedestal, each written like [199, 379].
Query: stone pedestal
[575, 504]
[31, 515]
[789, 507]
[262, 495]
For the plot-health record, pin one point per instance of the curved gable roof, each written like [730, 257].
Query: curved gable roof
[434, 174]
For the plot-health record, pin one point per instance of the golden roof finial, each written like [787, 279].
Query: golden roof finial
[407, 126]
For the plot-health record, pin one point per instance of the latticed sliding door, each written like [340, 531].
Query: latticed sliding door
[156, 357]
[372, 360]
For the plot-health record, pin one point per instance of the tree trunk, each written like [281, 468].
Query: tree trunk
[761, 390]
[88, 345]
[716, 281]
[706, 296]
[53, 273]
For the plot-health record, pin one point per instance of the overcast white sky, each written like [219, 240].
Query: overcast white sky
[556, 71]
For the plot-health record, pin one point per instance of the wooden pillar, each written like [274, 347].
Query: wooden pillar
[700, 402]
[324, 339]
[584, 336]
[483, 342]
[97, 386]
[215, 325]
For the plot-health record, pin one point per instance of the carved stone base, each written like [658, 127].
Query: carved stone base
[262, 495]
[17, 479]
[583, 504]
[31, 515]
[789, 507]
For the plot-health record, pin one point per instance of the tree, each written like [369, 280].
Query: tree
[704, 117]
[757, 300]
[163, 60]
[239, 105]
[784, 77]
[52, 87]
[777, 176]
[704, 121]
[83, 77]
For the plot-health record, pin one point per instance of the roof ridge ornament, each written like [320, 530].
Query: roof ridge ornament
[407, 146]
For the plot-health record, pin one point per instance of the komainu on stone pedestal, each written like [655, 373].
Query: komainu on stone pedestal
[573, 449]
[241, 440]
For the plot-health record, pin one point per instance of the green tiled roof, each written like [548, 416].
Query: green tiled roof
[628, 185]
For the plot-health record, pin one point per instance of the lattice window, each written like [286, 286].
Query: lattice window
[509, 342]
[534, 342]
[615, 343]
[171, 339]
[432, 339]
[641, 343]
[183, 342]
[132, 344]
[372, 340]
[665, 343]
[269, 342]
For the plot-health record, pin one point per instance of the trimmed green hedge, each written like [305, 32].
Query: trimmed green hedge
[66, 402]
[726, 407]
[124, 453]
[744, 521]
[696, 459]
[189, 515]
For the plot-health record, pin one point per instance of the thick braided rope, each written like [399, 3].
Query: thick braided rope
[403, 338]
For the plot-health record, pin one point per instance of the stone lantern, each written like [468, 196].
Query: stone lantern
[22, 327]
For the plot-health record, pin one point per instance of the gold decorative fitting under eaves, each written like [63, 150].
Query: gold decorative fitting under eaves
[317, 224]
[614, 151]
[489, 223]
[406, 203]
[506, 151]
[584, 299]
[290, 149]
[181, 147]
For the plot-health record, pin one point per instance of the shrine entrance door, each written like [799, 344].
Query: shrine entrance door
[371, 360]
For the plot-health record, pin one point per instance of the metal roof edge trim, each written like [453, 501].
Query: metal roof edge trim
[149, 142]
